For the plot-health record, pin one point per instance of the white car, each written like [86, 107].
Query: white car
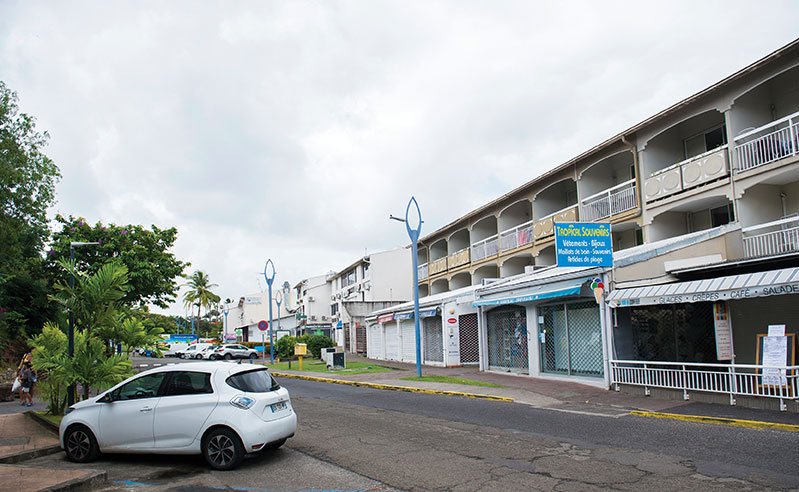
[193, 351]
[216, 409]
[230, 351]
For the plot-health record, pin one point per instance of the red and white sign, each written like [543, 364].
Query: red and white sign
[452, 321]
[263, 325]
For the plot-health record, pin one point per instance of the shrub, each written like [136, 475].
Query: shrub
[285, 347]
[316, 343]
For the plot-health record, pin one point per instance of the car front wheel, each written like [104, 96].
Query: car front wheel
[222, 449]
[198, 356]
[80, 445]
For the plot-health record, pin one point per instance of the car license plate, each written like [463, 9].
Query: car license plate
[276, 407]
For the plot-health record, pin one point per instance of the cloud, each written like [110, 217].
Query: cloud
[291, 130]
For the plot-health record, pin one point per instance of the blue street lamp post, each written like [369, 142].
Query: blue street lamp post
[278, 301]
[226, 310]
[413, 234]
[269, 279]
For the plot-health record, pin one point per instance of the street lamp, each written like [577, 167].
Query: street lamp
[71, 335]
[278, 301]
[413, 234]
[269, 275]
[226, 310]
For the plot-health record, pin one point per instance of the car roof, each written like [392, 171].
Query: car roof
[206, 366]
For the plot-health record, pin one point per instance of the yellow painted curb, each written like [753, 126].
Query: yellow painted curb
[392, 387]
[753, 424]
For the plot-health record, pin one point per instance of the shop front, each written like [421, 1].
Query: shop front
[710, 335]
[544, 325]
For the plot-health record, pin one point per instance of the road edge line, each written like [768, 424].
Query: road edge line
[752, 424]
[409, 389]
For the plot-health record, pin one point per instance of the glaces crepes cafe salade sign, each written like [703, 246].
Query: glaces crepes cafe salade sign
[579, 244]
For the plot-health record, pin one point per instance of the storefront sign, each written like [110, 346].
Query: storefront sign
[385, 318]
[721, 321]
[579, 244]
[453, 342]
[712, 296]
[569, 291]
[252, 300]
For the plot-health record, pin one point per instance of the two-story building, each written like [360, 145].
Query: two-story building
[312, 309]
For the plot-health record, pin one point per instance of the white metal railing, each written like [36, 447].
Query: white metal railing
[732, 379]
[485, 248]
[518, 236]
[422, 271]
[772, 238]
[769, 143]
[610, 202]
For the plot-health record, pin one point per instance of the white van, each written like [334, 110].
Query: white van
[193, 351]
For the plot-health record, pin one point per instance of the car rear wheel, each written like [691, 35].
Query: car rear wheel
[80, 444]
[228, 356]
[253, 356]
[180, 356]
[198, 356]
[223, 449]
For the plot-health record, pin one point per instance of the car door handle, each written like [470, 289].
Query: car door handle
[145, 409]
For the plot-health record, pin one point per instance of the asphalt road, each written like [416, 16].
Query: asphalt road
[432, 442]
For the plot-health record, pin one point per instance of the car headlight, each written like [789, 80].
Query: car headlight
[70, 409]
[242, 402]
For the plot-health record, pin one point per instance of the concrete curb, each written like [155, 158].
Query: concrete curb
[43, 421]
[409, 389]
[752, 424]
[12, 459]
[83, 483]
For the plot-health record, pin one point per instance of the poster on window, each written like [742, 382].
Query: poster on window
[721, 322]
[775, 353]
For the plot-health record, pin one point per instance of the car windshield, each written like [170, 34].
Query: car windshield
[257, 381]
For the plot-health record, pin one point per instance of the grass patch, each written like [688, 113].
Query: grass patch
[56, 419]
[316, 365]
[447, 379]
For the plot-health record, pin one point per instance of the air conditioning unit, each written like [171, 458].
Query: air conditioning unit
[338, 295]
[333, 297]
[311, 299]
[312, 317]
[324, 318]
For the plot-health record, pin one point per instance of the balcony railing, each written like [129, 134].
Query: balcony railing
[458, 258]
[545, 226]
[518, 236]
[772, 238]
[610, 202]
[687, 174]
[485, 248]
[438, 266]
[422, 270]
[768, 143]
[733, 379]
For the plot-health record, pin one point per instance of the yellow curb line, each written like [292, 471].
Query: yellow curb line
[753, 424]
[392, 387]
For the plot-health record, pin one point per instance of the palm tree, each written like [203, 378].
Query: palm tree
[199, 293]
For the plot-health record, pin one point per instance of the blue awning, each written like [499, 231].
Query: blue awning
[423, 313]
[536, 296]
[408, 315]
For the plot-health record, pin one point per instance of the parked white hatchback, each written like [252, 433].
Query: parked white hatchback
[218, 409]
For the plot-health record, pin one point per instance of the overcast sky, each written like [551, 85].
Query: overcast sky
[291, 130]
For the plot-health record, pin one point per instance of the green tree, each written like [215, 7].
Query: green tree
[199, 293]
[153, 269]
[27, 188]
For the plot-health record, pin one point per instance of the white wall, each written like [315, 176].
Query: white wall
[391, 276]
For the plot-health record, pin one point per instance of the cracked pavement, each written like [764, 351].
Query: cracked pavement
[416, 452]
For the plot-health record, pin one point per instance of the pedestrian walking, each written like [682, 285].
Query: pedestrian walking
[27, 377]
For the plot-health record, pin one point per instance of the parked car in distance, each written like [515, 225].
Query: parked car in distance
[230, 351]
[193, 351]
[219, 410]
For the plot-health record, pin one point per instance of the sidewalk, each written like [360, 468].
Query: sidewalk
[23, 437]
[557, 395]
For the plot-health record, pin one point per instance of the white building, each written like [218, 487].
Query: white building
[371, 283]
[313, 312]
[244, 315]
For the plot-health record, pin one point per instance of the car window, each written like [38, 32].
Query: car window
[189, 383]
[191, 348]
[257, 381]
[143, 387]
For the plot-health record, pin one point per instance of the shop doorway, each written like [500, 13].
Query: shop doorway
[572, 339]
[507, 339]
[469, 339]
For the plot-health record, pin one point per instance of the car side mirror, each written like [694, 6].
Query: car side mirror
[107, 398]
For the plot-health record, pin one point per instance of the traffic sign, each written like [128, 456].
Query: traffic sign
[263, 325]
